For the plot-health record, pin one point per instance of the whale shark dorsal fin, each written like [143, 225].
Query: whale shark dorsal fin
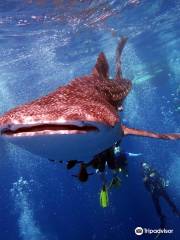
[101, 68]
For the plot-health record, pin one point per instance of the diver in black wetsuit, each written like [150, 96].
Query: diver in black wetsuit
[156, 185]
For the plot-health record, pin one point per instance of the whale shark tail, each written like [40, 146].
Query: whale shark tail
[119, 49]
[101, 68]
[144, 133]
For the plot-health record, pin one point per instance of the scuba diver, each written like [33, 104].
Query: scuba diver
[121, 164]
[122, 158]
[117, 161]
[156, 185]
[100, 161]
[109, 159]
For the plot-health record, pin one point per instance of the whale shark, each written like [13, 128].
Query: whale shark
[78, 120]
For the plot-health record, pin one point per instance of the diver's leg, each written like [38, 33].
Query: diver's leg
[158, 210]
[116, 181]
[170, 202]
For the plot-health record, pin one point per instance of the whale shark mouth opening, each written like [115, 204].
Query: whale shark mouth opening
[45, 129]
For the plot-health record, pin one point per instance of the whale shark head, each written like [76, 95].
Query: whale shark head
[78, 120]
[83, 110]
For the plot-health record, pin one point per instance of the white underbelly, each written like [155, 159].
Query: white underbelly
[81, 146]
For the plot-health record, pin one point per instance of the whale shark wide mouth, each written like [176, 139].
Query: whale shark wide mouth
[47, 129]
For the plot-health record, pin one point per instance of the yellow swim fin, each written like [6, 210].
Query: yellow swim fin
[104, 199]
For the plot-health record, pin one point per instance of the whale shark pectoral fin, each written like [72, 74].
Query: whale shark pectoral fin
[101, 68]
[143, 133]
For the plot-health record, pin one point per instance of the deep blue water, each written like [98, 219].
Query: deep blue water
[43, 46]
